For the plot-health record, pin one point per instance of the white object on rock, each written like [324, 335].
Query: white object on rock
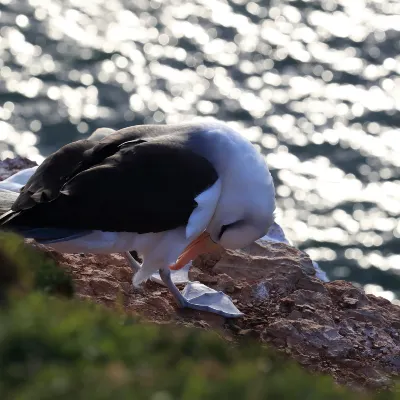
[15, 182]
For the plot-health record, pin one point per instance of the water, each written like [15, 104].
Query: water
[315, 84]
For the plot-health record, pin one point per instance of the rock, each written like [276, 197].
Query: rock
[249, 333]
[104, 287]
[366, 315]
[227, 284]
[301, 300]
[350, 302]
[340, 290]
[295, 314]
[122, 273]
[333, 328]
[207, 279]
[261, 248]
[259, 259]
[396, 324]
[312, 284]
[10, 166]
[351, 363]
[309, 337]
[319, 324]
[394, 360]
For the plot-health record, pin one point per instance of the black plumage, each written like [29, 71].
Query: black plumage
[135, 180]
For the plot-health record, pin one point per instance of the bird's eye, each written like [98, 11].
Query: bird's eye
[223, 229]
[236, 224]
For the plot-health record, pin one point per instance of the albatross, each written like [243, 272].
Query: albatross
[167, 192]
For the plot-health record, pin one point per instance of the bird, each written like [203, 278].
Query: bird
[166, 192]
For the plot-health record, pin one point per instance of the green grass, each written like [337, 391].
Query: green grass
[54, 347]
[30, 269]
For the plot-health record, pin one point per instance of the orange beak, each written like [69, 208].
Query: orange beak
[203, 244]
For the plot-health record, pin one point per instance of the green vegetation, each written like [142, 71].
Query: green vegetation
[30, 268]
[53, 347]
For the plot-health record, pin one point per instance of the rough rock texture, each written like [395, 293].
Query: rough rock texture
[334, 328]
[10, 166]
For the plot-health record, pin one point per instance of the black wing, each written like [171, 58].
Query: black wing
[135, 186]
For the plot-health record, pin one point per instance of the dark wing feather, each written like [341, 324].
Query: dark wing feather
[138, 187]
[58, 168]
[44, 185]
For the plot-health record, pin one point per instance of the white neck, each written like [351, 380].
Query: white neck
[246, 181]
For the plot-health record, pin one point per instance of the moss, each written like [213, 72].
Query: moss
[54, 347]
[31, 268]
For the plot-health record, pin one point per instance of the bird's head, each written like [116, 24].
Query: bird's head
[244, 213]
[233, 235]
[246, 204]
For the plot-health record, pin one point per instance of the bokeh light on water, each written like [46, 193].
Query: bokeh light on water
[315, 84]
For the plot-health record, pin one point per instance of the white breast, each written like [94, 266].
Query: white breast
[203, 213]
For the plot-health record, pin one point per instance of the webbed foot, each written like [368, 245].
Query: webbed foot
[200, 297]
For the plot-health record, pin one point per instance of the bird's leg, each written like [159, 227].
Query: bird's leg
[165, 275]
[132, 262]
